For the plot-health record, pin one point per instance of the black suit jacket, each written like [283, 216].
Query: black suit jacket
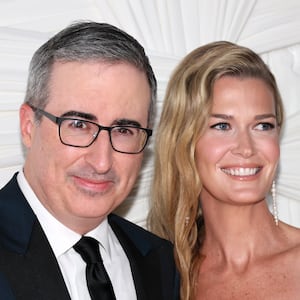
[29, 269]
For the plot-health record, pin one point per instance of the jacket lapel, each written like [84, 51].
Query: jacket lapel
[144, 260]
[26, 258]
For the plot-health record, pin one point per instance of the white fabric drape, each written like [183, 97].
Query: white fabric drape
[168, 29]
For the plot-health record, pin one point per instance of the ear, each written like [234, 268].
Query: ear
[27, 124]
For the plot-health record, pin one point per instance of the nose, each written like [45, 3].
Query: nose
[244, 144]
[99, 154]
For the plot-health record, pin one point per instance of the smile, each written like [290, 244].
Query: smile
[241, 171]
[93, 185]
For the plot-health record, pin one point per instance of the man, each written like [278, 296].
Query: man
[84, 123]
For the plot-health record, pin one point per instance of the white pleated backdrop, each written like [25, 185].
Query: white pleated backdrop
[168, 29]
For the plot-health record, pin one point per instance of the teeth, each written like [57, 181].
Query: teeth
[241, 171]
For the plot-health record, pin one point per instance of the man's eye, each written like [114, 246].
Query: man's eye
[221, 126]
[124, 130]
[265, 126]
[77, 124]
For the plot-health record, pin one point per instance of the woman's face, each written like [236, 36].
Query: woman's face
[237, 155]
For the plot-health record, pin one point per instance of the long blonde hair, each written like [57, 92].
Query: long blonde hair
[175, 213]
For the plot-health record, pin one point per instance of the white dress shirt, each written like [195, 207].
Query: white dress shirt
[62, 240]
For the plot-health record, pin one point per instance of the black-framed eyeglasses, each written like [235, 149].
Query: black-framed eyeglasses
[81, 133]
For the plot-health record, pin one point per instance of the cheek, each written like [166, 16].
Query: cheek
[209, 151]
[276, 152]
[271, 149]
[50, 155]
[127, 167]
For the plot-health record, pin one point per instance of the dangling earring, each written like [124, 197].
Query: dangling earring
[274, 203]
[187, 220]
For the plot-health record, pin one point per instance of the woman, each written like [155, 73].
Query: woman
[216, 159]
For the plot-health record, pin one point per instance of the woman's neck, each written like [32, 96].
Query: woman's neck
[235, 235]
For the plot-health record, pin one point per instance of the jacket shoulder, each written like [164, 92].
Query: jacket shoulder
[16, 218]
[142, 238]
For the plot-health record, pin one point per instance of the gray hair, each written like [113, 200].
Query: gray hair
[86, 41]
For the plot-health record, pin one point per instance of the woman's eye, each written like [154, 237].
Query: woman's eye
[221, 126]
[265, 126]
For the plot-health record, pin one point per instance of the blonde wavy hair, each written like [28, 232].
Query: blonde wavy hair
[175, 212]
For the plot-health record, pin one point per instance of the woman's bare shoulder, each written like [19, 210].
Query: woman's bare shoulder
[292, 238]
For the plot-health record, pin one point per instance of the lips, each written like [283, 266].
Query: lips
[92, 184]
[241, 171]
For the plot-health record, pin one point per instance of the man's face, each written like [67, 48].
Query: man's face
[80, 186]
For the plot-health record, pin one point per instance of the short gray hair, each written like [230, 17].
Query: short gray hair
[86, 41]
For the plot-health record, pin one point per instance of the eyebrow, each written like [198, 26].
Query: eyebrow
[228, 117]
[124, 122]
[79, 114]
[221, 116]
[91, 117]
[265, 116]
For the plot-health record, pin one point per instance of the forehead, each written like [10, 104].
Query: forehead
[236, 92]
[101, 88]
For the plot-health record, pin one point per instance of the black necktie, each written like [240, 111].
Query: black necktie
[98, 281]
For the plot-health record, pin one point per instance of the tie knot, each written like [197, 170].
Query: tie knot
[88, 248]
